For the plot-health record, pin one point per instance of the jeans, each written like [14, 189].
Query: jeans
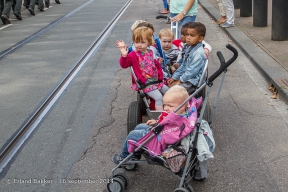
[139, 131]
[186, 19]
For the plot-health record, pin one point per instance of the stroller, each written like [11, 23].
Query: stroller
[191, 164]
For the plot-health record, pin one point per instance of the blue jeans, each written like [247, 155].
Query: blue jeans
[165, 4]
[186, 19]
[139, 131]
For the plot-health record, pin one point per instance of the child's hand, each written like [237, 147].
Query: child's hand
[151, 122]
[176, 65]
[207, 52]
[170, 81]
[120, 43]
[122, 47]
[160, 60]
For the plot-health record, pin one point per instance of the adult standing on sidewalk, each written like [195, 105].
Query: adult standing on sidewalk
[183, 11]
[229, 14]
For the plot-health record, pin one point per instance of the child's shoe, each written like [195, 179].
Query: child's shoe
[117, 159]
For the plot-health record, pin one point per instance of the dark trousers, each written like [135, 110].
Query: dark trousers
[40, 4]
[15, 4]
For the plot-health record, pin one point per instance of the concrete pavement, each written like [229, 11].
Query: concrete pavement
[269, 57]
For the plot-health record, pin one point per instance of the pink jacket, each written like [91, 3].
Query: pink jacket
[175, 128]
[132, 60]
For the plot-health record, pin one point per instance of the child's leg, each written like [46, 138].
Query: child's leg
[164, 89]
[157, 96]
[139, 131]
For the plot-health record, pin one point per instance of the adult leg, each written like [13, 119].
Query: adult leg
[222, 9]
[31, 7]
[165, 5]
[139, 131]
[229, 13]
[1, 6]
[26, 3]
[47, 3]
[6, 12]
[41, 5]
[157, 96]
[17, 9]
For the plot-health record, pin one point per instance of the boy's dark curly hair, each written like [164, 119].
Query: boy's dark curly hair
[199, 27]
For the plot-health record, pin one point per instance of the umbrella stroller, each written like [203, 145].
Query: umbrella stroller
[187, 138]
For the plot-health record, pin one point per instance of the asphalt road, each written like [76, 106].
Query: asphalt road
[87, 126]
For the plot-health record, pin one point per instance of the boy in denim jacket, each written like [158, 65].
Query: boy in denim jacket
[194, 58]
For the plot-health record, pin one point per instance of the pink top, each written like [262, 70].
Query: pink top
[175, 128]
[146, 68]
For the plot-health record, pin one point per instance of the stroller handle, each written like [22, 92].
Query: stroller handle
[223, 65]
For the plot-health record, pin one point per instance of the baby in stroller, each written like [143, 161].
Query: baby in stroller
[172, 99]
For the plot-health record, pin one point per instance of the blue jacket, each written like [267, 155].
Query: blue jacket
[192, 65]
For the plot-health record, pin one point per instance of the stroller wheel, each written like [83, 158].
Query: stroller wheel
[116, 186]
[130, 167]
[134, 116]
[123, 177]
[181, 189]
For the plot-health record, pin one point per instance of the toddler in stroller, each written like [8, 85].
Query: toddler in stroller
[147, 69]
[172, 99]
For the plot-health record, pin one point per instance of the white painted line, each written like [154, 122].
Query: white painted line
[5, 26]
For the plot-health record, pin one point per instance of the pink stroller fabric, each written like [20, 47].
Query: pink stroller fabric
[175, 128]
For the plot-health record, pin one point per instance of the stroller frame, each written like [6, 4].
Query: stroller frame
[119, 181]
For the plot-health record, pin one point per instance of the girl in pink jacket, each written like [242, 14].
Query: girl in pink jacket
[147, 69]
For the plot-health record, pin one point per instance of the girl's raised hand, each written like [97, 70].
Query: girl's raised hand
[120, 43]
[122, 47]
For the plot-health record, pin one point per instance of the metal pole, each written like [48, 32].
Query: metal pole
[246, 8]
[236, 4]
[260, 12]
[279, 20]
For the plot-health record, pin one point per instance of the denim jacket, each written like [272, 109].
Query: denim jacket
[192, 65]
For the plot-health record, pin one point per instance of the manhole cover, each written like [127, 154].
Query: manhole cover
[283, 82]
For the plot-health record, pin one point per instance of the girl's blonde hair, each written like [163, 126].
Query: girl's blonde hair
[142, 33]
[179, 92]
[166, 33]
[135, 24]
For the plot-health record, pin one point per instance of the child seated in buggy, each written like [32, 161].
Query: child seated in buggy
[147, 69]
[172, 99]
[193, 62]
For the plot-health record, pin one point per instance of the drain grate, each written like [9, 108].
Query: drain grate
[283, 82]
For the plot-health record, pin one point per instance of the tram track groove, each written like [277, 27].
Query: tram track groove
[28, 127]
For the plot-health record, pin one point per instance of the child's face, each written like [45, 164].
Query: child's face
[171, 102]
[183, 35]
[141, 46]
[193, 37]
[166, 42]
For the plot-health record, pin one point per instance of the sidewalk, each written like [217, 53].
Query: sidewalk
[269, 57]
